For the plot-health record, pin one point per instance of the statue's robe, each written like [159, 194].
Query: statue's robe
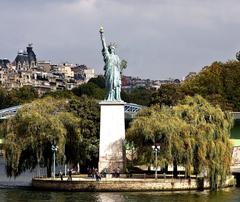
[112, 76]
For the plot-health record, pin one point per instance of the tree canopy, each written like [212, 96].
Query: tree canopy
[167, 94]
[193, 134]
[88, 110]
[71, 124]
[17, 96]
[141, 96]
[67, 94]
[89, 89]
[30, 134]
[218, 83]
[99, 81]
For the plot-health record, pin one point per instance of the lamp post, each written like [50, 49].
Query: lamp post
[156, 149]
[54, 149]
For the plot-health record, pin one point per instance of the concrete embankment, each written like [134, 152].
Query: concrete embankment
[124, 184]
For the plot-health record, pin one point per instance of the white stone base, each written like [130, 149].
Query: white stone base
[112, 135]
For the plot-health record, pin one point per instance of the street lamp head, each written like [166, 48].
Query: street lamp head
[156, 147]
[54, 148]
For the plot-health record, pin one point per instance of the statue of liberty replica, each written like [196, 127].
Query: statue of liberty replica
[112, 120]
[113, 70]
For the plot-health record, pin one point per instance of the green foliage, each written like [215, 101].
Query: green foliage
[22, 95]
[231, 75]
[36, 126]
[167, 94]
[99, 81]
[72, 124]
[193, 134]
[141, 96]
[208, 81]
[60, 94]
[88, 111]
[3, 98]
[218, 83]
[89, 89]
[17, 96]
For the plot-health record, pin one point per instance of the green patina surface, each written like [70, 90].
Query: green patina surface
[112, 70]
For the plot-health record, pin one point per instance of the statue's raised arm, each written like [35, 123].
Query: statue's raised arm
[112, 70]
[103, 39]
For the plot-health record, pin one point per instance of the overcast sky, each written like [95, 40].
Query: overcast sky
[158, 38]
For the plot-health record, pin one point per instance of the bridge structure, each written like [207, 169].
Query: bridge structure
[9, 112]
[130, 109]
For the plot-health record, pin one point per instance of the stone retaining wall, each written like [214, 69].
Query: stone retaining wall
[122, 184]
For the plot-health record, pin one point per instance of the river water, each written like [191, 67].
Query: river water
[19, 189]
[19, 194]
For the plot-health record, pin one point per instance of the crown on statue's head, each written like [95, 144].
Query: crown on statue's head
[112, 45]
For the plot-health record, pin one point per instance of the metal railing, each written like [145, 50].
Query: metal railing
[130, 109]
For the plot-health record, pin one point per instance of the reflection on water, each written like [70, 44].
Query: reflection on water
[226, 195]
[110, 197]
[15, 194]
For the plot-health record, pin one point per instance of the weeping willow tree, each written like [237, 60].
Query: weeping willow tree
[192, 134]
[30, 134]
[210, 131]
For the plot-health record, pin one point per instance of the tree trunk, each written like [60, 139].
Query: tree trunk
[49, 168]
[214, 182]
[149, 169]
[175, 173]
[164, 169]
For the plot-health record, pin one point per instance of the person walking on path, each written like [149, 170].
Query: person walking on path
[61, 175]
[98, 177]
[118, 172]
[70, 174]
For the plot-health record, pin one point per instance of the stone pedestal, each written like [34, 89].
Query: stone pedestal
[112, 135]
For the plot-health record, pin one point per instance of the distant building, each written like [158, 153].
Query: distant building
[4, 63]
[89, 73]
[83, 73]
[25, 78]
[130, 83]
[157, 83]
[10, 79]
[126, 80]
[25, 60]
[66, 70]
[44, 65]
[25, 70]
[2, 77]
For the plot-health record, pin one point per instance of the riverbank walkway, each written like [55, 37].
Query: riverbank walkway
[80, 183]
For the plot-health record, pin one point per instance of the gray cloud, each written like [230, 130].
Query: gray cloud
[158, 38]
